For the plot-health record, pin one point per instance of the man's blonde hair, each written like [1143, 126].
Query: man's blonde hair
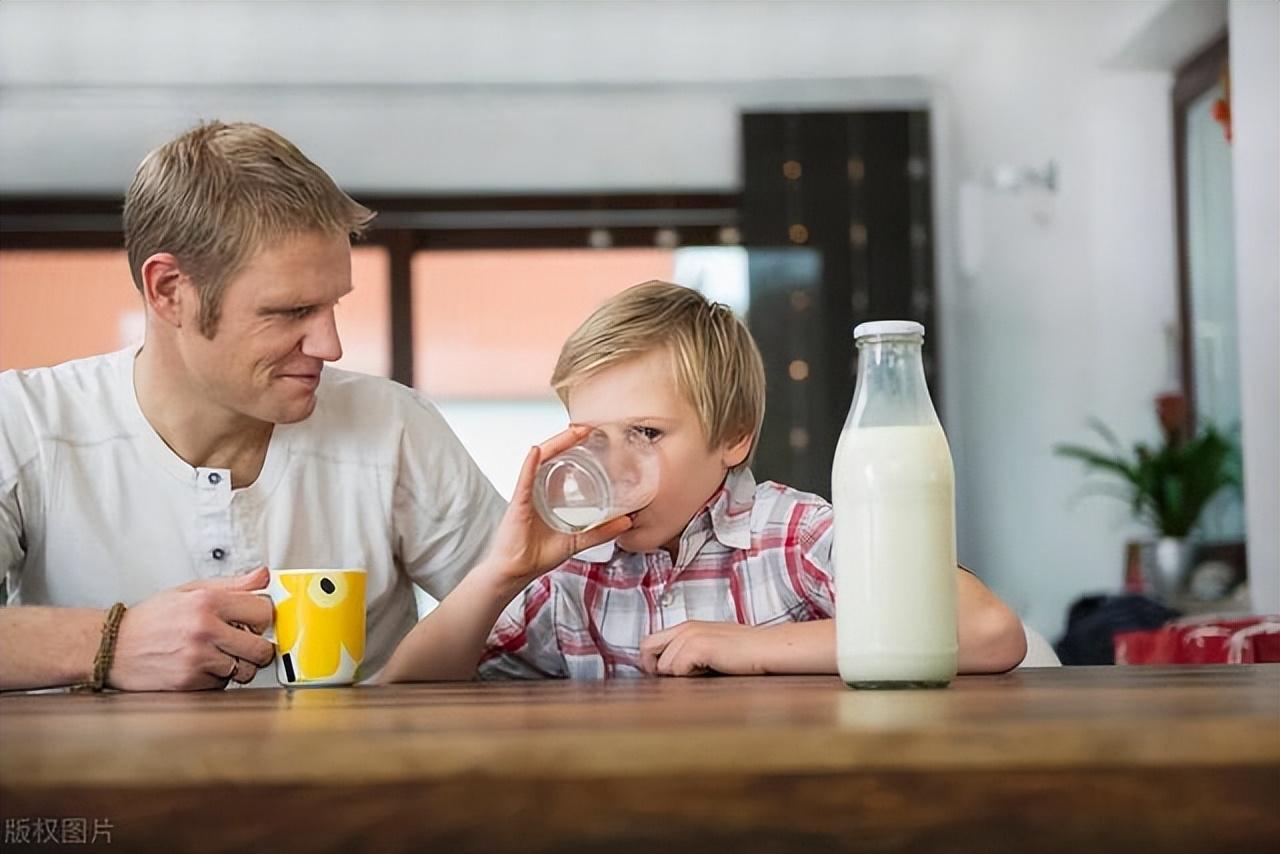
[715, 360]
[220, 192]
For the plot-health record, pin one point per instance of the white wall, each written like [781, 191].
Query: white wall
[459, 96]
[425, 97]
[1065, 317]
[1255, 111]
[642, 137]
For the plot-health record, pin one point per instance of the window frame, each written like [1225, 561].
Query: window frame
[408, 224]
[1192, 79]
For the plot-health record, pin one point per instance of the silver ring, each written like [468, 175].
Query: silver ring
[235, 665]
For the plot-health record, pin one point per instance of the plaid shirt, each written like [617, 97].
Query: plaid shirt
[754, 555]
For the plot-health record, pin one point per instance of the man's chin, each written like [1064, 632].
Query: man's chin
[294, 411]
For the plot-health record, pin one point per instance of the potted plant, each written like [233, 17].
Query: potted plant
[1167, 485]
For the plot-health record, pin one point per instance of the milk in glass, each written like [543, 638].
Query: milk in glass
[894, 521]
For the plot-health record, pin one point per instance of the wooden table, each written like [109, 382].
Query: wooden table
[1073, 759]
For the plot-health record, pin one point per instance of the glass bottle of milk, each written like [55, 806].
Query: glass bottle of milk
[893, 496]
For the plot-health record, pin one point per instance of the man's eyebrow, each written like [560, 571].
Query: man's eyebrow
[285, 305]
[278, 308]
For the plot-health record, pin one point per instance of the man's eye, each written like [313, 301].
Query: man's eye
[648, 434]
[300, 312]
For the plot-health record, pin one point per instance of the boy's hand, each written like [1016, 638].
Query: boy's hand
[523, 545]
[696, 648]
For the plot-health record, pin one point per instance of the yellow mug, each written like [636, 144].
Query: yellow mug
[317, 626]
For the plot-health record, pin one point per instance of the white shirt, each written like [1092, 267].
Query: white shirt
[95, 508]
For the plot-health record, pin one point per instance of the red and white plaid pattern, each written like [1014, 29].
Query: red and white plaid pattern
[754, 555]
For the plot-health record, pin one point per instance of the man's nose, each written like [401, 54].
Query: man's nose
[321, 341]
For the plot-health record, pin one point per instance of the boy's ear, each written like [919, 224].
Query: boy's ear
[736, 451]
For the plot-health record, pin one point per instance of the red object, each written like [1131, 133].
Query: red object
[1221, 109]
[1207, 640]
[1171, 410]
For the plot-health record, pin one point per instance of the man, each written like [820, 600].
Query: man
[165, 478]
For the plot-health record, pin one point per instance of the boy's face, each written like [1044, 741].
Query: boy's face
[640, 395]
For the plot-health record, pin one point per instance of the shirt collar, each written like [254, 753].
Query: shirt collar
[727, 513]
[729, 510]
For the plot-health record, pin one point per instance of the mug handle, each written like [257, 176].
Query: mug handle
[269, 634]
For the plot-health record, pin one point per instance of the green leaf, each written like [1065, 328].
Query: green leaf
[1167, 485]
[1095, 460]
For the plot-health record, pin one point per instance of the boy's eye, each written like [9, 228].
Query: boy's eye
[647, 434]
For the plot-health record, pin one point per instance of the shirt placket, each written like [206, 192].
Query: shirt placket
[214, 531]
[671, 596]
[249, 541]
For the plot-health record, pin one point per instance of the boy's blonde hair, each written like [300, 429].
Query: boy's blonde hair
[715, 360]
[220, 192]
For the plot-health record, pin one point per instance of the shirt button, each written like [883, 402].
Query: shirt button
[215, 478]
[668, 598]
[218, 554]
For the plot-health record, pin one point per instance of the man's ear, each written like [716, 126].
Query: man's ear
[736, 451]
[165, 287]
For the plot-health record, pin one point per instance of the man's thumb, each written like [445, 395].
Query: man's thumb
[254, 579]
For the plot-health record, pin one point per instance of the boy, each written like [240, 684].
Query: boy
[717, 574]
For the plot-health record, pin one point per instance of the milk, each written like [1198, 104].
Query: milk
[580, 518]
[895, 556]
[610, 474]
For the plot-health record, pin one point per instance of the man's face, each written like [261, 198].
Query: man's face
[275, 332]
[640, 396]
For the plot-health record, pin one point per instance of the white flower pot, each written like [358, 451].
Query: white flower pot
[1168, 562]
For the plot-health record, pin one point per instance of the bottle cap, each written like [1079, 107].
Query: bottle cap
[888, 327]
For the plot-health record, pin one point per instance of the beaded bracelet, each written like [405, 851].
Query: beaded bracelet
[106, 650]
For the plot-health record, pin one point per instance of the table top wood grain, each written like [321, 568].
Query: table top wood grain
[1110, 758]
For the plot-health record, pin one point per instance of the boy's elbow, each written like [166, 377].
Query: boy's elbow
[997, 642]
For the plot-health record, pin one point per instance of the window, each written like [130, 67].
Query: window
[61, 304]
[488, 326]
[1206, 245]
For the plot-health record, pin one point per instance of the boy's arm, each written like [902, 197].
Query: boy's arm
[696, 647]
[448, 642]
[524, 643]
[990, 636]
[808, 646]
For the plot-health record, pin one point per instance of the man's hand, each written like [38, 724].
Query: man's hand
[524, 546]
[695, 648]
[188, 638]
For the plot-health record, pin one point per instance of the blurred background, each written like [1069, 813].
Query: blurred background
[1078, 199]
